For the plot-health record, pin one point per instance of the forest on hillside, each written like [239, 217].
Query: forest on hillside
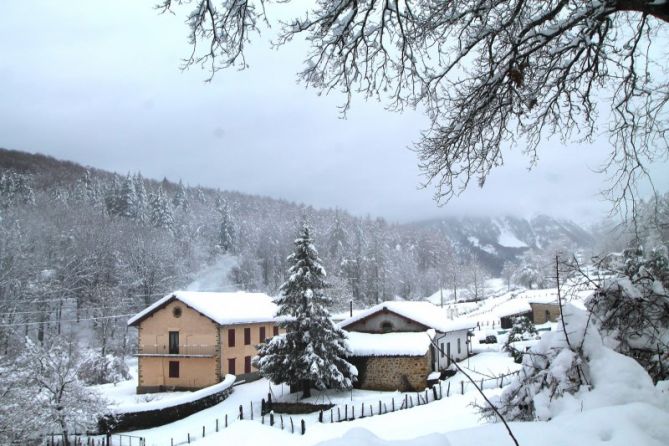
[81, 244]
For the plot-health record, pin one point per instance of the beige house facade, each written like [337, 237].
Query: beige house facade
[191, 340]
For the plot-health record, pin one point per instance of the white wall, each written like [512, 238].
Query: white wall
[452, 338]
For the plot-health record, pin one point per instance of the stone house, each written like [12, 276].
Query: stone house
[190, 340]
[397, 344]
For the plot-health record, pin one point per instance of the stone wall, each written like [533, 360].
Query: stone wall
[130, 421]
[542, 313]
[404, 373]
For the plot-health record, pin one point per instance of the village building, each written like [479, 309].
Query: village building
[190, 340]
[546, 309]
[511, 310]
[396, 345]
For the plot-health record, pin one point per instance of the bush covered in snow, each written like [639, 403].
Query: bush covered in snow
[632, 309]
[42, 394]
[98, 369]
[572, 371]
[522, 330]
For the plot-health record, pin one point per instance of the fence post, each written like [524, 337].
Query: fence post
[380, 407]
[304, 428]
[338, 415]
[362, 411]
[216, 424]
[271, 418]
[345, 412]
[353, 412]
[203, 432]
[320, 416]
[501, 382]
[251, 403]
[426, 398]
[462, 387]
[241, 412]
[292, 426]
[448, 390]
[434, 393]
[262, 407]
[331, 417]
[188, 434]
[393, 402]
[371, 410]
[226, 420]
[281, 418]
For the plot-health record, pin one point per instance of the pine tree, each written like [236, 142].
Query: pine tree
[226, 233]
[312, 352]
[161, 212]
[127, 198]
[140, 198]
[180, 200]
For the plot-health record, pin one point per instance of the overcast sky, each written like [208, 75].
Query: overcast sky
[97, 82]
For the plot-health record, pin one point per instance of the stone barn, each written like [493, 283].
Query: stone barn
[392, 361]
[397, 344]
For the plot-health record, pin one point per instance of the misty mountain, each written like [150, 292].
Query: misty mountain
[494, 240]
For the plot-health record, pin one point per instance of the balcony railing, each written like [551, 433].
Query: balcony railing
[183, 350]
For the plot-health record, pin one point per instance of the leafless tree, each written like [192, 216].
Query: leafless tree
[490, 74]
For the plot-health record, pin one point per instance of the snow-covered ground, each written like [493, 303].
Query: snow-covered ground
[481, 366]
[124, 393]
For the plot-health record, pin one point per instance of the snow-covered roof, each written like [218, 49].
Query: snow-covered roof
[424, 313]
[223, 308]
[390, 344]
[514, 306]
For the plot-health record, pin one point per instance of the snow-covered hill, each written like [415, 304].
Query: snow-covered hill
[497, 239]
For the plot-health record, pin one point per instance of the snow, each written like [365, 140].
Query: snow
[424, 313]
[390, 344]
[507, 238]
[611, 416]
[187, 397]
[223, 308]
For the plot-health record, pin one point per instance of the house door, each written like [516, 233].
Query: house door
[174, 343]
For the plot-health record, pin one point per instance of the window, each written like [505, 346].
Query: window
[386, 326]
[262, 334]
[247, 336]
[231, 366]
[442, 350]
[176, 312]
[548, 316]
[276, 330]
[174, 343]
[459, 346]
[231, 337]
[247, 364]
[174, 369]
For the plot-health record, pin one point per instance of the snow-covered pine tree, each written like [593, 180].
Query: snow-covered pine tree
[127, 198]
[313, 350]
[180, 200]
[140, 197]
[226, 233]
[161, 212]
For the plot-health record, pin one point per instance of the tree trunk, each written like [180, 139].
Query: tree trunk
[306, 389]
